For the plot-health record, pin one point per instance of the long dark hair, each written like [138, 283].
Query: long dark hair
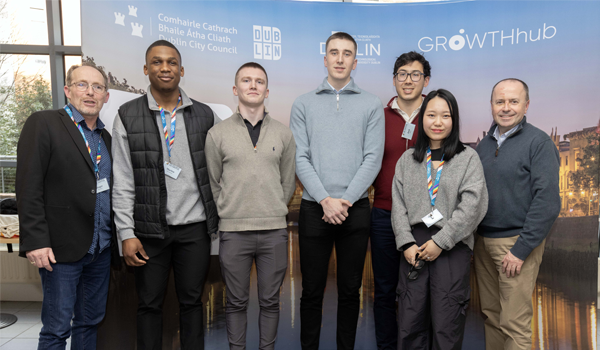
[451, 145]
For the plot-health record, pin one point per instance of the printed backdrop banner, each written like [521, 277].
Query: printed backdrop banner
[551, 45]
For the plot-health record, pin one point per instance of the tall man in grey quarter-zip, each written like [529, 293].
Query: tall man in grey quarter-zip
[339, 131]
[521, 165]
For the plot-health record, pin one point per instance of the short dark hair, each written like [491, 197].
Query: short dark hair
[251, 65]
[451, 145]
[344, 36]
[410, 57]
[512, 79]
[162, 43]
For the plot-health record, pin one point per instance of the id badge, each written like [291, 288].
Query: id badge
[409, 129]
[172, 171]
[102, 185]
[431, 218]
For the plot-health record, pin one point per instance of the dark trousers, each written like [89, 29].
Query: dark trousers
[386, 262]
[317, 239]
[188, 251]
[432, 308]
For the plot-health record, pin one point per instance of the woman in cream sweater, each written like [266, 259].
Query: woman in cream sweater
[439, 197]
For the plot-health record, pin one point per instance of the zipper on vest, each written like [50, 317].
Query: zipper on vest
[338, 102]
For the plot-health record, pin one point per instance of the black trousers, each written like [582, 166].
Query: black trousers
[317, 239]
[386, 263]
[188, 251]
[432, 308]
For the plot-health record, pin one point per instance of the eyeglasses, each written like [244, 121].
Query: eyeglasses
[413, 273]
[83, 86]
[415, 76]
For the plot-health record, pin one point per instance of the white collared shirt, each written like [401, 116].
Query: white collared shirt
[405, 115]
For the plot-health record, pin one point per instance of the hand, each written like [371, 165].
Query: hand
[335, 210]
[511, 264]
[130, 248]
[42, 258]
[410, 254]
[429, 251]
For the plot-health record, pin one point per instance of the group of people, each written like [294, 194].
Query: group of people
[173, 174]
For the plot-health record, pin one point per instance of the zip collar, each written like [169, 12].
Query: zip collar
[350, 88]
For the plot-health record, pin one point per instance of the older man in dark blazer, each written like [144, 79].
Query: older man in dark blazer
[63, 196]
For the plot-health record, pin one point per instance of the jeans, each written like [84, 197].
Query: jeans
[317, 239]
[74, 291]
[386, 262]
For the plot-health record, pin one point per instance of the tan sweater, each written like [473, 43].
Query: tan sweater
[251, 187]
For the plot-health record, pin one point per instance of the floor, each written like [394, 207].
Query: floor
[22, 335]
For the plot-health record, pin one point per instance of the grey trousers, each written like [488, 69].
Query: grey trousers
[237, 251]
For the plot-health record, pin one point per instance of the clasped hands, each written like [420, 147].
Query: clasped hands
[428, 252]
[335, 210]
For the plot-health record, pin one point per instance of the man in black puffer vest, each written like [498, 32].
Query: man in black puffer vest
[163, 204]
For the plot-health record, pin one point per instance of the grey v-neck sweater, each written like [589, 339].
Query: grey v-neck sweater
[462, 198]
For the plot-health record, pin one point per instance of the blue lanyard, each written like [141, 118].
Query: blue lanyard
[433, 187]
[169, 140]
[98, 156]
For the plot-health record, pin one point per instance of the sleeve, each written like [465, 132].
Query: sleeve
[545, 206]
[400, 221]
[372, 155]
[304, 168]
[217, 120]
[214, 163]
[287, 169]
[123, 192]
[470, 209]
[33, 154]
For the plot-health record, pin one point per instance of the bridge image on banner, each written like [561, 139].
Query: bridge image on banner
[551, 45]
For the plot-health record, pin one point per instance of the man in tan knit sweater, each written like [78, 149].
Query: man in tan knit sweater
[251, 167]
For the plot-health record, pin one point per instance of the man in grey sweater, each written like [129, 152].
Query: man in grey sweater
[339, 131]
[521, 165]
[251, 168]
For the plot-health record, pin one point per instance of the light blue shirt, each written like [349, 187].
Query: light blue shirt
[501, 138]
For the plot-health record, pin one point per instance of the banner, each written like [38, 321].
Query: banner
[551, 45]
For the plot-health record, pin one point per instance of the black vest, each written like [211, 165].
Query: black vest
[148, 170]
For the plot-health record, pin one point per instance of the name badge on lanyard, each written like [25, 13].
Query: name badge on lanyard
[101, 184]
[432, 188]
[409, 129]
[172, 171]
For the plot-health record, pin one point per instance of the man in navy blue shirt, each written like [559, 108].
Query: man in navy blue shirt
[63, 195]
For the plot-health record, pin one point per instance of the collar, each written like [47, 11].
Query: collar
[185, 100]
[79, 118]
[337, 91]
[521, 125]
[240, 119]
[407, 118]
[351, 87]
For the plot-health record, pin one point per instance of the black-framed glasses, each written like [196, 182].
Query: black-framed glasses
[83, 86]
[413, 273]
[415, 76]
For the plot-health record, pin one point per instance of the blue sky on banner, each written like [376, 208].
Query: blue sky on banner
[552, 45]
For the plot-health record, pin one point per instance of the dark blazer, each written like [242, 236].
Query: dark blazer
[56, 187]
